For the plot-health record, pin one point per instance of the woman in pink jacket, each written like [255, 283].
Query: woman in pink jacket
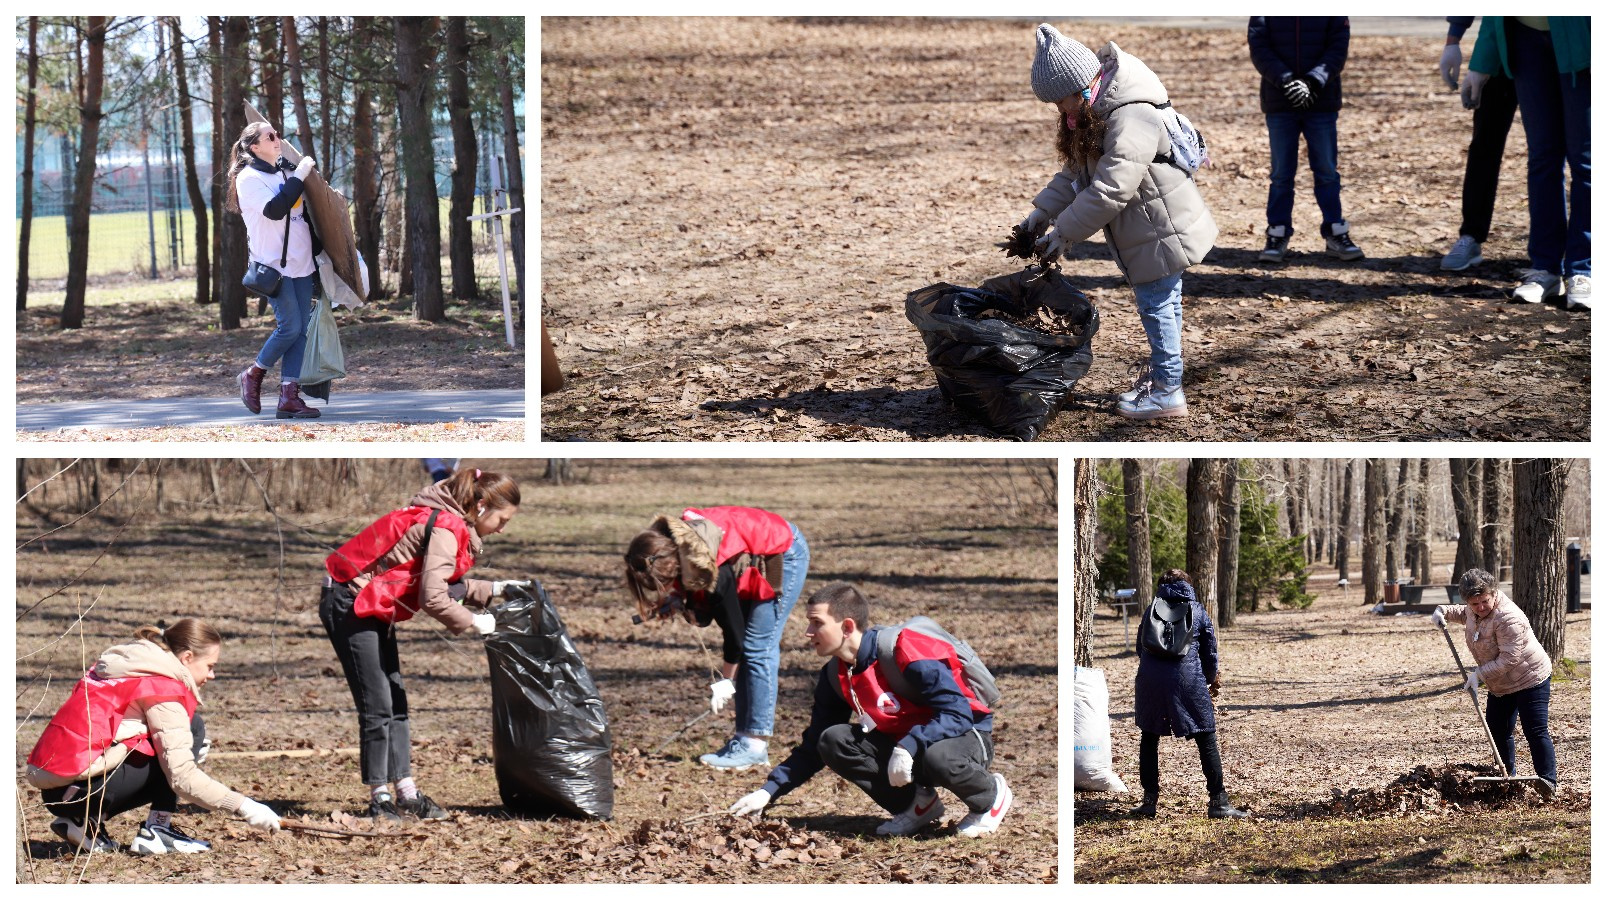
[1513, 668]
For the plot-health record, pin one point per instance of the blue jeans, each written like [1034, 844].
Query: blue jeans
[1321, 130]
[1160, 305]
[292, 308]
[1533, 705]
[755, 700]
[1555, 116]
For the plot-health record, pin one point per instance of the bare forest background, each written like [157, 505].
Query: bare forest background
[124, 127]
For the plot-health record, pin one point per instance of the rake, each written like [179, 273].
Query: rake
[1505, 775]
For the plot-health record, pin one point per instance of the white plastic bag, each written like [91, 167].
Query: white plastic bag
[1091, 733]
[337, 292]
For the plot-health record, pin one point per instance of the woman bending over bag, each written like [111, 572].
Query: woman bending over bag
[413, 558]
[1177, 650]
[742, 568]
[130, 736]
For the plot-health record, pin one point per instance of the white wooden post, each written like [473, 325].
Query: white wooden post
[495, 215]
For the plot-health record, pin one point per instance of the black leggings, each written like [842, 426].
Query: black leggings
[1150, 764]
[138, 781]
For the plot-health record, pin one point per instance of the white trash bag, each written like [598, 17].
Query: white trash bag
[1091, 733]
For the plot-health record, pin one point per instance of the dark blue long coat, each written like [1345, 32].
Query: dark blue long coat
[1170, 696]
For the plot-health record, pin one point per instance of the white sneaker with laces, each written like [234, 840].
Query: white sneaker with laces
[1536, 286]
[988, 821]
[1141, 382]
[1158, 401]
[1578, 293]
[153, 840]
[926, 809]
[1466, 252]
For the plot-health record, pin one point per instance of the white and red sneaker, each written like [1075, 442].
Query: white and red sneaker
[926, 809]
[988, 821]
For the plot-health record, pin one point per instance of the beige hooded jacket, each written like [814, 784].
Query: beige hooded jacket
[1508, 655]
[166, 723]
[1154, 219]
[438, 599]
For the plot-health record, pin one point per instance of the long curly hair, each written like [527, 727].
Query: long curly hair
[1079, 147]
[243, 156]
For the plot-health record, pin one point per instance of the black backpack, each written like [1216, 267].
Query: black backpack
[1167, 631]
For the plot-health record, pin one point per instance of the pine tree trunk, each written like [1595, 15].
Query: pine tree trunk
[234, 253]
[325, 89]
[297, 88]
[1085, 508]
[1539, 566]
[1394, 554]
[369, 214]
[1467, 497]
[1494, 516]
[219, 155]
[1424, 510]
[89, 116]
[1137, 508]
[271, 40]
[1228, 548]
[191, 174]
[414, 37]
[29, 119]
[1372, 534]
[1346, 513]
[1200, 546]
[464, 179]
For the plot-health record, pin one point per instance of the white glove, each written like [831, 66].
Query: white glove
[258, 815]
[1450, 65]
[751, 803]
[483, 622]
[498, 588]
[1037, 222]
[202, 751]
[1054, 246]
[721, 693]
[1438, 616]
[1472, 680]
[1472, 89]
[304, 167]
[899, 767]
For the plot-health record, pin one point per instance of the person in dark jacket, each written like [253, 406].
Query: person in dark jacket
[1170, 697]
[1300, 58]
[905, 746]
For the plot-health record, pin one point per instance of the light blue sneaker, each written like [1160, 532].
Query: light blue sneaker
[1155, 401]
[736, 756]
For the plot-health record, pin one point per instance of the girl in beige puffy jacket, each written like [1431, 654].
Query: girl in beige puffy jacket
[129, 736]
[1119, 176]
[1512, 666]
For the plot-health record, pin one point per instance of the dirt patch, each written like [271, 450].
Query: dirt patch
[793, 180]
[1425, 790]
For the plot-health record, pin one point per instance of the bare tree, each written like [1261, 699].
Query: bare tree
[1228, 548]
[1346, 513]
[1466, 495]
[464, 178]
[219, 153]
[1394, 548]
[1422, 573]
[1137, 508]
[89, 116]
[1494, 515]
[413, 39]
[234, 251]
[191, 175]
[1200, 549]
[1372, 534]
[1085, 508]
[29, 119]
[1539, 565]
[297, 88]
[271, 40]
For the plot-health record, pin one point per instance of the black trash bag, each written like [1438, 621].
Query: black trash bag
[1011, 378]
[552, 744]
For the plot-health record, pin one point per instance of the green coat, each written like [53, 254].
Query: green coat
[1570, 34]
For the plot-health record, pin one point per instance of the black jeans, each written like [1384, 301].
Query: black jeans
[960, 765]
[1533, 706]
[139, 781]
[1150, 765]
[370, 657]
[1491, 122]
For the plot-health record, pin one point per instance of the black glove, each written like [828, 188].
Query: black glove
[1298, 93]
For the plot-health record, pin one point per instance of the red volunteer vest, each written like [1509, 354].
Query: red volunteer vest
[748, 530]
[874, 700]
[84, 726]
[391, 596]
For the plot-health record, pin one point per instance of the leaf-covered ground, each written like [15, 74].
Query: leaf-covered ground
[734, 210]
[1347, 735]
[971, 543]
[299, 431]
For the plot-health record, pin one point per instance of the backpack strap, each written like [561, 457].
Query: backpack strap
[1166, 157]
[831, 672]
[888, 638]
[283, 258]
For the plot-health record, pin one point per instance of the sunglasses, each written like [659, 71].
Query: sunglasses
[269, 136]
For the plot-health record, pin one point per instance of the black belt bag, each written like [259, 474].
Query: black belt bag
[263, 280]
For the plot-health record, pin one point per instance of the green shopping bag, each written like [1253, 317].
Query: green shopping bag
[324, 359]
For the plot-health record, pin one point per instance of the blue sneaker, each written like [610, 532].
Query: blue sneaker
[736, 755]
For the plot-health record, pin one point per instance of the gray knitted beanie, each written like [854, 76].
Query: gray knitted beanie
[1061, 66]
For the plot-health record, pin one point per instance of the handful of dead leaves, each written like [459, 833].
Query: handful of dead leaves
[1023, 244]
[1041, 319]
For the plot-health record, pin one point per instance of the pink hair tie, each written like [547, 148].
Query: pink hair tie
[477, 474]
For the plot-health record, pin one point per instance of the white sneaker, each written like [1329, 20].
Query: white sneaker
[988, 821]
[1141, 382]
[1578, 293]
[1537, 284]
[153, 840]
[1158, 401]
[926, 809]
[89, 839]
[1467, 252]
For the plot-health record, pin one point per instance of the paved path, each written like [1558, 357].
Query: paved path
[386, 406]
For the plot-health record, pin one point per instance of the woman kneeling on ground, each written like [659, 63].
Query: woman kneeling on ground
[1512, 666]
[129, 736]
[410, 559]
[1170, 697]
[742, 568]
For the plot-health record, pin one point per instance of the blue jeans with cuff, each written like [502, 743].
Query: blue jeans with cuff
[755, 699]
[292, 308]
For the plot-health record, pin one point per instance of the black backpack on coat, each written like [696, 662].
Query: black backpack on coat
[1167, 631]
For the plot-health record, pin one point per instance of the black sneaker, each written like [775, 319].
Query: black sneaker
[1277, 244]
[423, 807]
[156, 839]
[383, 809]
[89, 839]
[1339, 244]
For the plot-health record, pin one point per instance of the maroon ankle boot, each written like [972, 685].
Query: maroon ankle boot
[290, 406]
[250, 387]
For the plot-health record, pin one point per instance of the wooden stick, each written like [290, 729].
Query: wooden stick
[287, 754]
[297, 825]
